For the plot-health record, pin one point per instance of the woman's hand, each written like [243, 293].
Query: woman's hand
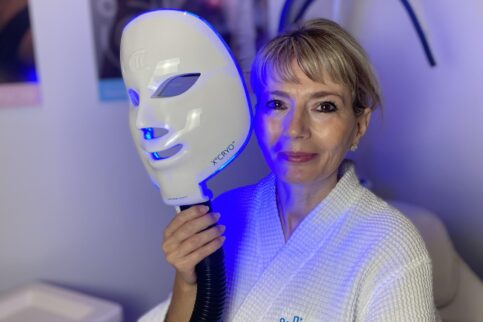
[186, 242]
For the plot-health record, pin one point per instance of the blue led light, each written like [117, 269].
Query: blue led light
[155, 156]
[148, 133]
[227, 162]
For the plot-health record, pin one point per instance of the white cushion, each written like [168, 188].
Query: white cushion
[443, 256]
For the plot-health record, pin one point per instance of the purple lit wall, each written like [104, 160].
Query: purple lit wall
[428, 146]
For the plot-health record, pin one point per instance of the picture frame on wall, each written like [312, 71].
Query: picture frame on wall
[19, 82]
[242, 24]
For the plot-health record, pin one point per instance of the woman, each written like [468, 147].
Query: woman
[307, 243]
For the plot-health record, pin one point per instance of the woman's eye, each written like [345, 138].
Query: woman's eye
[326, 107]
[275, 105]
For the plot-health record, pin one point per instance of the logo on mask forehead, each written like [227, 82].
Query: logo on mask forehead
[223, 154]
[137, 60]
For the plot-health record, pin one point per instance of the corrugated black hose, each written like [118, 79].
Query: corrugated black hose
[211, 285]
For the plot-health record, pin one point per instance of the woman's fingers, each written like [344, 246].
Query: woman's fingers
[187, 263]
[190, 237]
[196, 242]
[189, 229]
[183, 217]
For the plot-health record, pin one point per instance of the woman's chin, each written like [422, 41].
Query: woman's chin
[294, 177]
[304, 176]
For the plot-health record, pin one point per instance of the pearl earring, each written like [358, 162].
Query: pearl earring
[354, 147]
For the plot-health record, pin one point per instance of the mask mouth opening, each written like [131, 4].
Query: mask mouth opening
[166, 154]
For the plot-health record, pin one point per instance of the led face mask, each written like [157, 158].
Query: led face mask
[189, 112]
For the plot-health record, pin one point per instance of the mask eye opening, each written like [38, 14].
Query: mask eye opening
[176, 85]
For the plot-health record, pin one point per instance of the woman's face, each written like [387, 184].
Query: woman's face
[306, 128]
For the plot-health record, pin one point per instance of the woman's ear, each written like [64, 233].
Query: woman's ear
[362, 123]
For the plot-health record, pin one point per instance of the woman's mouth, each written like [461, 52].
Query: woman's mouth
[297, 157]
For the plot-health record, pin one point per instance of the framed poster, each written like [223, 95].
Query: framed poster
[18, 75]
[240, 23]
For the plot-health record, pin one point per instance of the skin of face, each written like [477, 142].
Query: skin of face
[305, 130]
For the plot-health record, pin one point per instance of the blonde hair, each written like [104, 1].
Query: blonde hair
[319, 46]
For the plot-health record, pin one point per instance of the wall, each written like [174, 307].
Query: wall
[76, 207]
[428, 145]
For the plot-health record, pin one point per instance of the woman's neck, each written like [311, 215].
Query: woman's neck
[296, 201]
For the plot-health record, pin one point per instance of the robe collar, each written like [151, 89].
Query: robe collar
[280, 260]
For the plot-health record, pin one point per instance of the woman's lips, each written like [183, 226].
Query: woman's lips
[297, 157]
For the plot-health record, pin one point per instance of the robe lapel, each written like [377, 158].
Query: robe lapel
[282, 261]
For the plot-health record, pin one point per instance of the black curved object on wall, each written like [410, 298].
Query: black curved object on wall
[294, 10]
[420, 32]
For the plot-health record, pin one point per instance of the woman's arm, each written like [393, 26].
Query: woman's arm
[182, 301]
[405, 295]
[187, 241]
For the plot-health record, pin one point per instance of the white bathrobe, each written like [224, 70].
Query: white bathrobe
[353, 258]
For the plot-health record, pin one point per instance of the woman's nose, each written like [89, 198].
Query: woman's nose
[296, 124]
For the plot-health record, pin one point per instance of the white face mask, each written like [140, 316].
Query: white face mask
[189, 113]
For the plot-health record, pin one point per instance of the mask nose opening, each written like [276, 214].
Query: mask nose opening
[150, 133]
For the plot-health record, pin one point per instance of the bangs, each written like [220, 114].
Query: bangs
[324, 51]
[318, 60]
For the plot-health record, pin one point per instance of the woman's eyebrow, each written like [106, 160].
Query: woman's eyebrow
[315, 95]
[320, 94]
[279, 93]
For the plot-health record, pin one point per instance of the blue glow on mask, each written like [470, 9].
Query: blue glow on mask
[148, 133]
[155, 156]
[227, 163]
[133, 96]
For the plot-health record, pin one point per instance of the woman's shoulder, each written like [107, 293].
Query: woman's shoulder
[390, 231]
